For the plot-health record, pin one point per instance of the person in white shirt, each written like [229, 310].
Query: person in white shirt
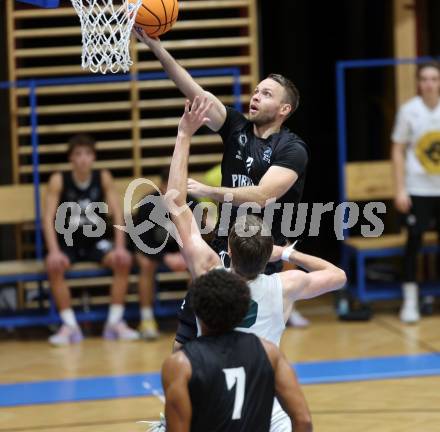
[250, 246]
[416, 162]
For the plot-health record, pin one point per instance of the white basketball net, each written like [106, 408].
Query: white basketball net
[106, 30]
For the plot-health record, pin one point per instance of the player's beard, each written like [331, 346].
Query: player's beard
[262, 119]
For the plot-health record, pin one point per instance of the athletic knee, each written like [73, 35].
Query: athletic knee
[121, 268]
[146, 264]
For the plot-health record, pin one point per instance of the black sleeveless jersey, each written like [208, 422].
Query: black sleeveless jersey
[232, 384]
[247, 158]
[72, 193]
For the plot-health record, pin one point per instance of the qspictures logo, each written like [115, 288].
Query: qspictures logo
[71, 217]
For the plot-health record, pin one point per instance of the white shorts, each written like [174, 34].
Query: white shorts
[280, 421]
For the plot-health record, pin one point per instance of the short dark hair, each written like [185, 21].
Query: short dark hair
[250, 254]
[220, 299]
[290, 89]
[81, 140]
[430, 64]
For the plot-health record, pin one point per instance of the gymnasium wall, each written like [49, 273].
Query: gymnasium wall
[134, 122]
[314, 35]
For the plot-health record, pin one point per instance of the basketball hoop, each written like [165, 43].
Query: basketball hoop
[106, 30]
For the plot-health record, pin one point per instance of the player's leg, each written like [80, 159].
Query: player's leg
[69, 332]
[147, 270]
[417, 222]
[115, 327]
[58, 285]
[175, 261]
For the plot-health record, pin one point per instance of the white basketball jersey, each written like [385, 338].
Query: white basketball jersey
[265, 318]
[267, 293]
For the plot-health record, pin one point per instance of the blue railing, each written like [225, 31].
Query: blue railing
[341, 111]
[383, 290]
[33, 85]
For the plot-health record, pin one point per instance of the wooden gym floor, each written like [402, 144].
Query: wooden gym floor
[404, 403]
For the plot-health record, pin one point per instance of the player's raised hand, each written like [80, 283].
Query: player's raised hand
[141, 36]
[195, 116]
[197, 189]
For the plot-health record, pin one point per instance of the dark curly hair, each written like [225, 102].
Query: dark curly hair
[220, 299]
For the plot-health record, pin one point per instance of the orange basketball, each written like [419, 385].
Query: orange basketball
[156, 17]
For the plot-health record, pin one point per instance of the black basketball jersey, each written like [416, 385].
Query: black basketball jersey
[232, 385]
[247, 158]
[91, 194]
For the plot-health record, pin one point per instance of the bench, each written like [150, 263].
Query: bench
[20, 209]
[373, 181]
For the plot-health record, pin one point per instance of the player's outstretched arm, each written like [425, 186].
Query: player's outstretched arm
[55, 260]
[53, 194]
[176, 373]
[114, 206]
[184, 81]
[322, 277]
[273, 185]
[288, 390]
[199, 257]
[121, 254]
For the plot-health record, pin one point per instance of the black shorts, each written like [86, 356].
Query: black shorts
[82, 252]
[423, 215]
[155, 239]
[187, 326]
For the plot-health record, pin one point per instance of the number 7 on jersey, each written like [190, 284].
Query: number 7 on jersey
[237, 377]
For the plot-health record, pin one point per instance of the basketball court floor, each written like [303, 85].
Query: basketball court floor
[366, 376]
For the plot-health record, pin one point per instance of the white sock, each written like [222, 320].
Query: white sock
[115, 314]
[410, 292]
[146, 313]
[68, 317]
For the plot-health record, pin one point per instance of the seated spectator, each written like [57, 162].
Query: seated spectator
[84, 185]
[158, 246]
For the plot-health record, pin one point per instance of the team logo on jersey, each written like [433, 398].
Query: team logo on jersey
[428, 152]
[242, 139]
[249, 162]
[267, 154]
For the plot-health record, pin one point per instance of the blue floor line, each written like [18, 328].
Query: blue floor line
[135, 385]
